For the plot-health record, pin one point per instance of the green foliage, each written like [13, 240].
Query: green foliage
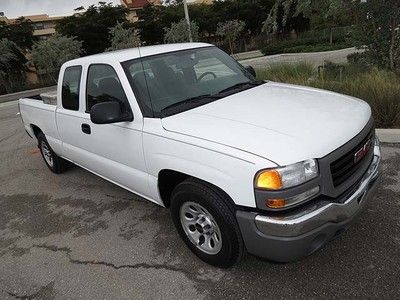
[252, 12]
[48, 55]
[123, 38]
[321, 13]
[380, 88]
[312, 41]
[378, 27]
[179, 32]
[153, 19]
[20, 32]
[92, 26]
[316, 48]
[151, 24]
[230, 31]
[12, 66]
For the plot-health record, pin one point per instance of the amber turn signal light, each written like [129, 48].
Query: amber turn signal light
[275, 203]
[269, 179]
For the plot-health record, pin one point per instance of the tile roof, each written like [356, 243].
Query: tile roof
[136, 3]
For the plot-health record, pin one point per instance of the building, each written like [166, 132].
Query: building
[135, 5]
[43, 25]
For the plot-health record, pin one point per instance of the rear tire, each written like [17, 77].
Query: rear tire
[55, 163]
[205, 219]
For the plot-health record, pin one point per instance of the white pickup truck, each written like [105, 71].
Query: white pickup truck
[275, 169]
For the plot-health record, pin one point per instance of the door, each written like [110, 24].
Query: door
[113, 151]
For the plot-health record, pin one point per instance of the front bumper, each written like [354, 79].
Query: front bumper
[291, 236]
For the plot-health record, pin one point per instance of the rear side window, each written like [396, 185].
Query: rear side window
[70, 87]
[103, 85]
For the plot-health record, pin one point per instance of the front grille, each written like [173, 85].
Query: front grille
[344, 167]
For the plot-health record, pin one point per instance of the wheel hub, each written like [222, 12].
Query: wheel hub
[201, 228]
[47, 154]
[204, 225]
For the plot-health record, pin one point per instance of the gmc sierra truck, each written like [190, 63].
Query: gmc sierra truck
[273, 169]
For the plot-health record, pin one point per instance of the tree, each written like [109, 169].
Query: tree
[378, 28]
[178, 32]
[253, 12]
[92, 26]
[20, 32]
[153, 19]
[123, 38]
[230, 31]
[48, 55]
[321, 14]
[12, 66]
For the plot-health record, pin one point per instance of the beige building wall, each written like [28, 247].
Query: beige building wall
[44, 26]
[135, 5]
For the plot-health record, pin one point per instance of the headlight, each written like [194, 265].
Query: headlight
[286, 177]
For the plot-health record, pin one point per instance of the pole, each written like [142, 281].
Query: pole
[187, 20]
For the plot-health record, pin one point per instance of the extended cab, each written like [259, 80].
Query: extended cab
[273, 168]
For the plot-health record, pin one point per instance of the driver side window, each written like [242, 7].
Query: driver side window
[103, 85]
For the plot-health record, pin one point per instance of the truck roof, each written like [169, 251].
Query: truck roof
[132, 53]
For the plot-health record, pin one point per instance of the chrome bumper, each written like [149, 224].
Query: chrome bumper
[292, 236]
[323, 212]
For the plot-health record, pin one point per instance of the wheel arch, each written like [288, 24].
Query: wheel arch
[36, 130]
[168, 179]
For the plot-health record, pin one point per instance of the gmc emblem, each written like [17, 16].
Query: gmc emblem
[360, 154]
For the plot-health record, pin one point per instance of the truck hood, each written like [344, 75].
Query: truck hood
[280, 122]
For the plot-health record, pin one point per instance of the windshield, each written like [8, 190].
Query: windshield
[174, 82]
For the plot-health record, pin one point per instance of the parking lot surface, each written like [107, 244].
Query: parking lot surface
[76, 235]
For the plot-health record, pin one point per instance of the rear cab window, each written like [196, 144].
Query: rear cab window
[70, 87]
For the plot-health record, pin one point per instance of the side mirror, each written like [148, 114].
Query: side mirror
[109, 112]
[251, 70]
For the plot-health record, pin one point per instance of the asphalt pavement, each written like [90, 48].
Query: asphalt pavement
[76, 235]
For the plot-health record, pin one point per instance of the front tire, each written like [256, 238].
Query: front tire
[55, 163]
[205, 219]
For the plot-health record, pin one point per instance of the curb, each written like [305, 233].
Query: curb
[23, 94]
[391, 136]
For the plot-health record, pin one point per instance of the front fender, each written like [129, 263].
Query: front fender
[231, 174]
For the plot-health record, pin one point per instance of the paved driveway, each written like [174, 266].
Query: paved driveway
[77, 236]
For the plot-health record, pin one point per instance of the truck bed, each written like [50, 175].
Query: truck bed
[37, 113]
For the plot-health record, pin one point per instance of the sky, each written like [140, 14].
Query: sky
[16, 8]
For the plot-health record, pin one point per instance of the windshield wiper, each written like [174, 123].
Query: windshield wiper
[241, 85]
[191, 102]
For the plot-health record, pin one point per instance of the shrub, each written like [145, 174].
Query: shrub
[380, 88]
[311, 41]
[48, 55]
[179, 32]
[230, 31]
[12, 66]
[123, 38]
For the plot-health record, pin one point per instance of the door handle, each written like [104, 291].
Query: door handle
[86, 128]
